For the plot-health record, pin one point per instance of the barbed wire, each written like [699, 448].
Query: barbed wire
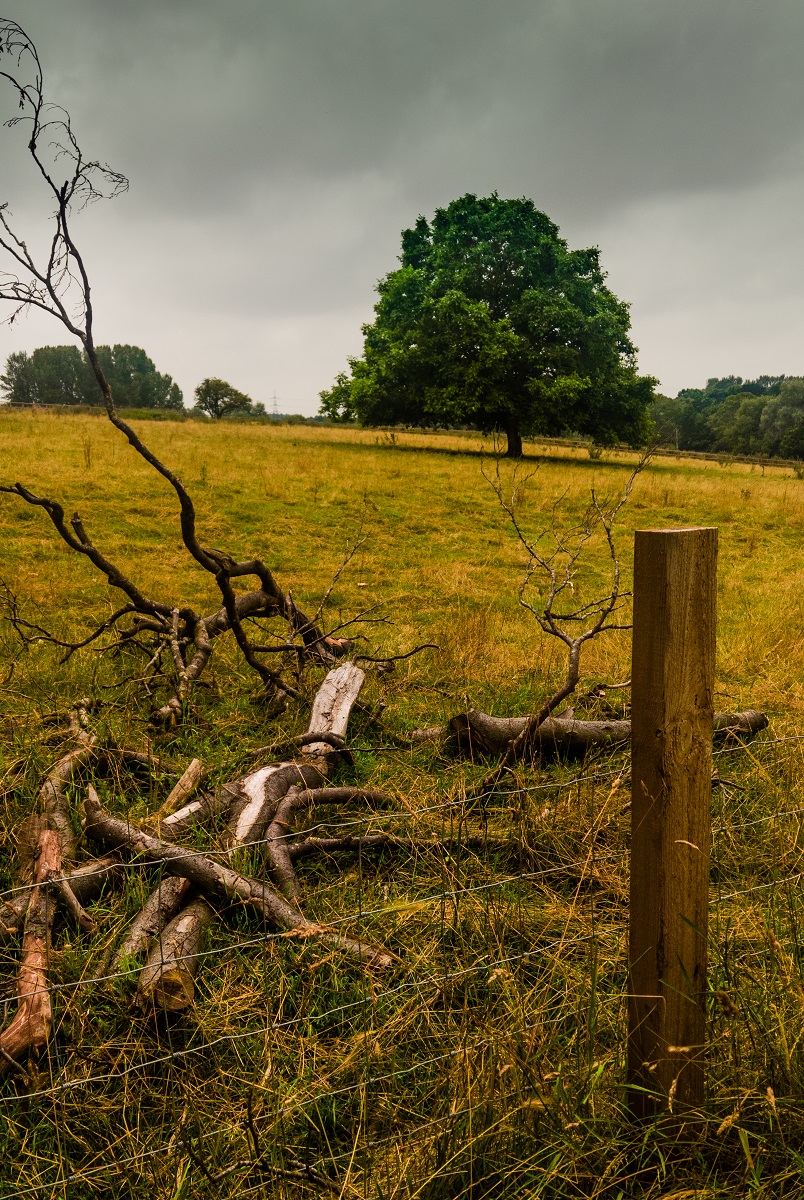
[361, 914]
[586, 865]
[300, 1106]
[381, 817]
[143, 862]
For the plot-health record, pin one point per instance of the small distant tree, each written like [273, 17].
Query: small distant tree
[216, 398]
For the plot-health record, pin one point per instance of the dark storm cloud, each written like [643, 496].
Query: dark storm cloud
[276, 150]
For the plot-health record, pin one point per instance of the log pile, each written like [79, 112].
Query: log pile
[257, 813]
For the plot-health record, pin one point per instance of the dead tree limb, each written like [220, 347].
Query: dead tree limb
[220, 883]
[255, 798]
[166, 982]
[56, 281]
[261, 791]
[475, 733]
[556, 569]
[183, 790]
[29, 1031]
[160, 908]
[278, 847]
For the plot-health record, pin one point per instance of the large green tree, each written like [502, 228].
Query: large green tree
[491, 321]
[63, 375]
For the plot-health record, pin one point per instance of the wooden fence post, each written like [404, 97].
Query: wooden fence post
[672, 684]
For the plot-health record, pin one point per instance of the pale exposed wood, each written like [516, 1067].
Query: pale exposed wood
[259, 794]
[183, 790]
[204, 808]
[262, 790]
[29, 1031]
[166, 982]
[333, 705]
[672, 699]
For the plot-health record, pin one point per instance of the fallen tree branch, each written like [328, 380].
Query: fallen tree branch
[262, 790]
[166, 982]
[183, 790]
[161, 906]
[29, 1031]
[220, 883]
[476, 733]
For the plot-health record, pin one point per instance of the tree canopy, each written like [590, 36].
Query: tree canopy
[762, 416]
[63, 375]
[216, 398]
[491, 321]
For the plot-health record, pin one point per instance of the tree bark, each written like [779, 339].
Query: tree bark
[514, 449]
[30, 1028]
[221, 883]
[166, 982]
[261, 791]
[475, 732]
[158, 910]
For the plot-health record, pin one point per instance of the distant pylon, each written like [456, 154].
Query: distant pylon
[274, 409]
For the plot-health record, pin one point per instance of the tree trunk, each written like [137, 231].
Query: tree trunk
[514, 438]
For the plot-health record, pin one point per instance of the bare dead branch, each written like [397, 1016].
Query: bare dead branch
[220, 883]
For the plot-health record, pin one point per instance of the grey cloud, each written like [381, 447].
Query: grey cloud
[276, 151]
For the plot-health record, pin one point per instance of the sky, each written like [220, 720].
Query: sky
[277, 148]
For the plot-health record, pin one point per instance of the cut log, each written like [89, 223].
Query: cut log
[160, 908]
[478, 733]
[183, 790]
[29, 1031]
[166, 982]
[220, 883]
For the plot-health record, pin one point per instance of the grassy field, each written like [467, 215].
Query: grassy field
[489, 1061]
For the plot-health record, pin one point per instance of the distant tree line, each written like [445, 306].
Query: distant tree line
[62, 375]
[762, 416]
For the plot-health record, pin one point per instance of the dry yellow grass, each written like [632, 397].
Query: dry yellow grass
[504, 1021]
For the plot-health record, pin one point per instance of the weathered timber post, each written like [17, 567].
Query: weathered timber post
[672, 682]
